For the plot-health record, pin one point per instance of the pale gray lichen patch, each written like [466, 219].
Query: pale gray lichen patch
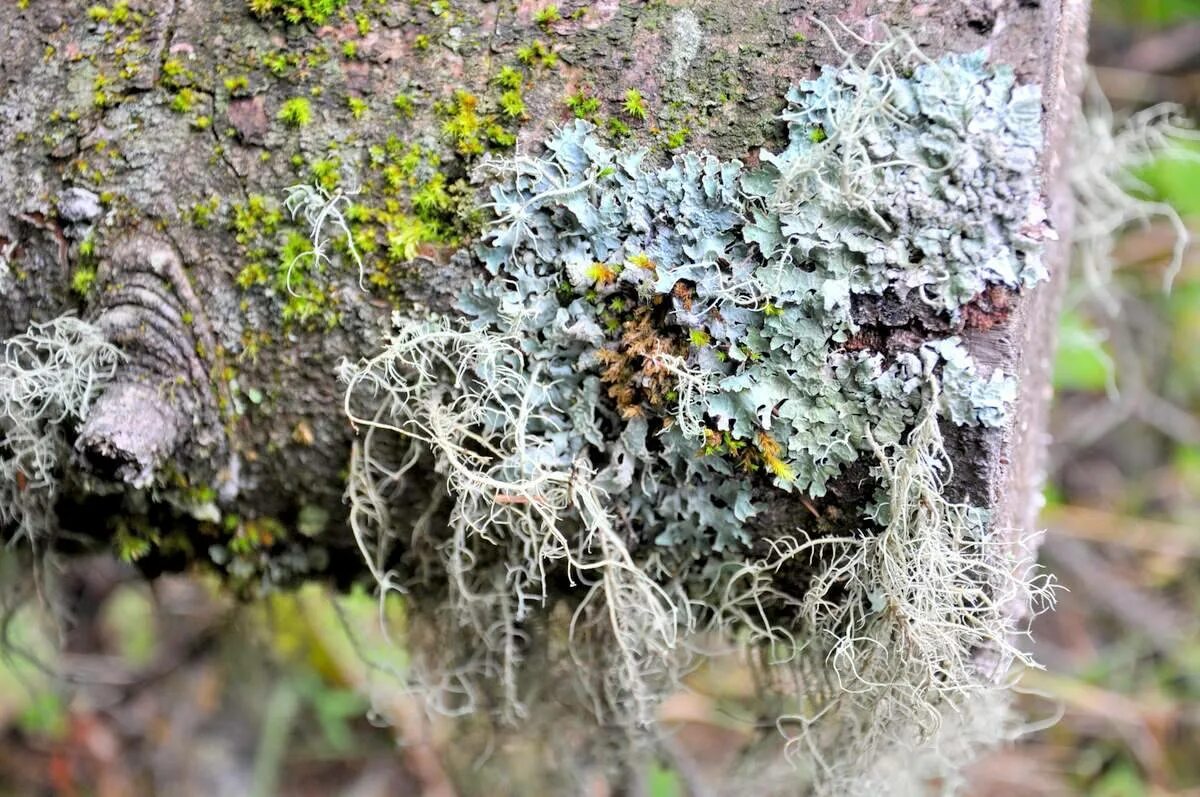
[762, 309]
[653, 350]
[924, 183]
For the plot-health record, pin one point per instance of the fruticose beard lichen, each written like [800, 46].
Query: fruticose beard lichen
[49, 376]
[653, 353]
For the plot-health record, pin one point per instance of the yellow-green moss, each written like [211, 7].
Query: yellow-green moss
[296, 112]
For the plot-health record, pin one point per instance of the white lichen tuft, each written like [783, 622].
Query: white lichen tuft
[49, 377]
[1107, 153]
[319, 207]
[897, 634]
[516, 516]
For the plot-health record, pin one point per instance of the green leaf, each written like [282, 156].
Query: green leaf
[1175, 177]
[1081, 362]
[663, 782]
[1122, 780]
[45, 716]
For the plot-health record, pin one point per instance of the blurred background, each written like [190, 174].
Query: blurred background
[171, 688]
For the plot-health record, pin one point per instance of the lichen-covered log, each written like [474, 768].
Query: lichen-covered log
[673, 315]
[147, 146]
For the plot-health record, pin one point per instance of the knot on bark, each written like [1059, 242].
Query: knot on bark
[162, 397]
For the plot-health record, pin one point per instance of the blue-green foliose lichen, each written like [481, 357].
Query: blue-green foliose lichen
[687, 327]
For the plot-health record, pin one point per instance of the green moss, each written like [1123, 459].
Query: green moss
[508, 78]
[184, 101]
[634, 105]
[277, 63]
[512, 104]
[237, 85]
[405, 237]
[537, 54]
[432, 200]
[252, 274]
[257, 215]
[298, 281]
[617, 128]
[582, 104]
[403, 103]
[463, 124]
[296, 112]
[296, 11]
[326, 173]
[130, 546]
[358, 107]
[500, 137]
[677, 138]
[202, 212]
[83, 279]
[173, 69]
[547, 16]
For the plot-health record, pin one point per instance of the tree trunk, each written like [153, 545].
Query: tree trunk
[146, 147]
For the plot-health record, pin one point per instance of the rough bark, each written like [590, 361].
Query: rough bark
[221, 403]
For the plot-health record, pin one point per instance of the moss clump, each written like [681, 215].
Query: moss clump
[82, 280]
[406, 206]
[296, 11]
[404, 105]
[202, 212]
[617, 128]
[296, 112]
[512, 104]
[537, 53]
[300, 280]
[547, 16]
[117, 14]
[184, 101]
[473, 129]
[508, 78]
[634, 105]
[358, 107]
[237, 85]
[583, 105]
[677, 138]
